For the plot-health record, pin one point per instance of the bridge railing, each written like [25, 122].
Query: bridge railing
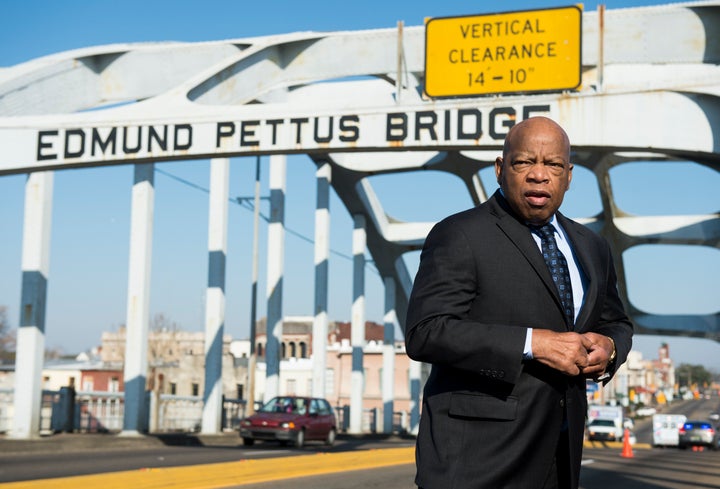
[372, 421]
[103, 412]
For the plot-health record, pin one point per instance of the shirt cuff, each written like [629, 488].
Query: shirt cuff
[527, 352]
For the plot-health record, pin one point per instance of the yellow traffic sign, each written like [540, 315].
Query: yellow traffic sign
[527, 51]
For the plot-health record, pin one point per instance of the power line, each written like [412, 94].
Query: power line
[245, 204]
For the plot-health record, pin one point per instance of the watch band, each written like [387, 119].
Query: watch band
[614, 351]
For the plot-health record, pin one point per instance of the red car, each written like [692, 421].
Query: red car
[291, 419]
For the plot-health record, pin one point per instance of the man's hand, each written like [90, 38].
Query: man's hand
[599, 351]
[567, 352]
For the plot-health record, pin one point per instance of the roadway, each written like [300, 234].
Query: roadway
[344, 466]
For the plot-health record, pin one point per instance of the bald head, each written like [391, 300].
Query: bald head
[534, 171]
[534, 124]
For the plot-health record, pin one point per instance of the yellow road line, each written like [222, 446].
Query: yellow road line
[615, 444]
[213, 476]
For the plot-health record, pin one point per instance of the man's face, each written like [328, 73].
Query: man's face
[535, 169]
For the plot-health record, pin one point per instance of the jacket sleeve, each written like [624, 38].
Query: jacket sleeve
[438, 327]
[613, 321]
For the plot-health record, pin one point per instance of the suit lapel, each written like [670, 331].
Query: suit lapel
[520, 236]
[581, 246]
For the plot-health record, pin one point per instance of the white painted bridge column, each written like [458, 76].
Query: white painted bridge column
[415, 391]
[215, 295]
[322, 265]
[31, 333]
[388, 354]
[275, 265]
[138, 301]
[357, 325]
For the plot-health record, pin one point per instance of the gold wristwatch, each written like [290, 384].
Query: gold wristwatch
[614, 352]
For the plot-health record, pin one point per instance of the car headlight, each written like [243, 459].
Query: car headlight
[289, 425]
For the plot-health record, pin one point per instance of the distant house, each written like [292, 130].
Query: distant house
[87, 376]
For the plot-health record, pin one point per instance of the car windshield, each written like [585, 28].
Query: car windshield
[602, 422]
[288, 405]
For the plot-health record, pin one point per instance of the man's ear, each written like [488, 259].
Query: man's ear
[570, 175]
[498, 168]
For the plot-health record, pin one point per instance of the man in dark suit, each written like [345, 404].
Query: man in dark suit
[505, 404]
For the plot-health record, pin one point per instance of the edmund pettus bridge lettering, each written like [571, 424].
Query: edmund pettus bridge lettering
[390, 129]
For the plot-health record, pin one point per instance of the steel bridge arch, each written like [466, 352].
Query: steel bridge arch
[354, 101]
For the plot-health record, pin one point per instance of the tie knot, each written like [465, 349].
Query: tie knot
[546, 230]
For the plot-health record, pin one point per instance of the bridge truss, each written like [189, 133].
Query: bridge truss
[354, 103]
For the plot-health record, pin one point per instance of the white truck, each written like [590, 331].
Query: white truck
[666, 429]
[605, 423]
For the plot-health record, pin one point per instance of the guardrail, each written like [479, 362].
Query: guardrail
[102, 412]
[372, 420]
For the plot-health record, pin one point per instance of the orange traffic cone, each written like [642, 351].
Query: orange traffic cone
[627, 448]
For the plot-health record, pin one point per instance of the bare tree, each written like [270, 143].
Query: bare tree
[163, 349]
[7, 338]
[162, 340]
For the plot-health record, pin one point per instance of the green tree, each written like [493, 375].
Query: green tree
[692, 375]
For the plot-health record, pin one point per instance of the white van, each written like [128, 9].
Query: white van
[666, 429]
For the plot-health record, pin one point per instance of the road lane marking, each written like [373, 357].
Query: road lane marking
[218, 475]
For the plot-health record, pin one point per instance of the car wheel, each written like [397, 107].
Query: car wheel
[300, 440]
[330, 440]
[248, 442]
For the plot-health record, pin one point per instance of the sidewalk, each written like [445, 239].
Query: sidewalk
[229, 474]
[79, 442]
[211, 475]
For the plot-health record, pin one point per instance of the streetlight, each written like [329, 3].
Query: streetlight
[253, 294]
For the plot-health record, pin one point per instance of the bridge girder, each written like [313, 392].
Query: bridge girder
[336, 97]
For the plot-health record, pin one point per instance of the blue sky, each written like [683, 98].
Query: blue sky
[89, 256]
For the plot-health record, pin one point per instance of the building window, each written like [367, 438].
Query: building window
[114, 385]
[293, 350]
[303, 350]
[195, 389]
[239, 388]
[173, 388]
[283, 350]
[259, 349]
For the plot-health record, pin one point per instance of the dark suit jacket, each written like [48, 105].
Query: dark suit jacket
[491, 420]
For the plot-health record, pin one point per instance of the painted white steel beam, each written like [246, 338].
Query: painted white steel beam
[30, 349]
[323, 176]
[650, 92]
[388, 355]
[357, 324]
[275, 271]
[215, 299]
[138, 300]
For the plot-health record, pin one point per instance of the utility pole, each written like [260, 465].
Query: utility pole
[250, 408]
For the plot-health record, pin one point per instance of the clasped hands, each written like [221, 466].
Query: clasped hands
[572, 353]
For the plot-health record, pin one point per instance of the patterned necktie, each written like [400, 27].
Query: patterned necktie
[556, 263]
